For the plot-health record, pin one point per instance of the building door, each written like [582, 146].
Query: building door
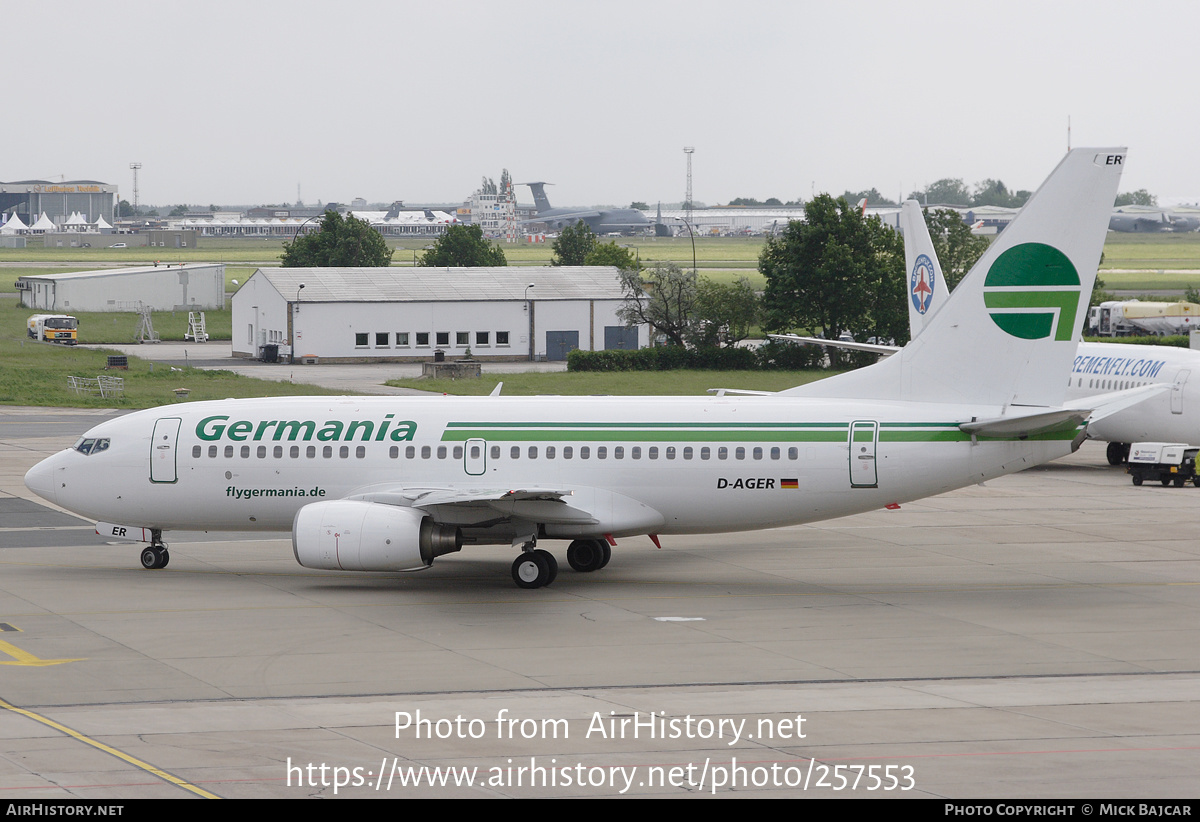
[620, 337]
[560, 343]
[864, 434]
[162, 450]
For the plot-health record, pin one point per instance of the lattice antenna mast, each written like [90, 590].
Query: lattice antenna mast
[687, 203]
[135, 167]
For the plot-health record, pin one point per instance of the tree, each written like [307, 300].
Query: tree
[956, 247]
[639, 205]
[340, 242]
[124, 209]
[836, 271]
[179, 210]
[664, 297]
[573, 245]
[994, 193]
[488, 186]
[946, 191]
[612, 254]
[724, 312]
[463, 246]
[872, 196]
[1140, 197]
[505, 181]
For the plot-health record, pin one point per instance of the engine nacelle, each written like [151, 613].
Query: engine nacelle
[352, 535]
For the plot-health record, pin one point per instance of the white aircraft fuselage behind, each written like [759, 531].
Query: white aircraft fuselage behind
[1167, 417]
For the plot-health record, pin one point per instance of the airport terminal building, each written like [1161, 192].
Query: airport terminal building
[389, 314]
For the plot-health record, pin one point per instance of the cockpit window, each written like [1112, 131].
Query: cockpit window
[91, 445]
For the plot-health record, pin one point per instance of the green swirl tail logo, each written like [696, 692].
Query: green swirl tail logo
[1032, 292]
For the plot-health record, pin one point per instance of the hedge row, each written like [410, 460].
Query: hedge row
[770, 356]
[1179, 340]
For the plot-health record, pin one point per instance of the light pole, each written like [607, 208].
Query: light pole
[529, 311]
[693, 236]
[293, 310]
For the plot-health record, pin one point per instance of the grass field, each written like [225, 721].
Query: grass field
[1158, 261]
[118, 328]
[33, 373]
[624, 383]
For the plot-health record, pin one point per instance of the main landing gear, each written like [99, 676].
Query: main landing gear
[1118, 453]
[588, 555]
[155, 555]
[535, 568]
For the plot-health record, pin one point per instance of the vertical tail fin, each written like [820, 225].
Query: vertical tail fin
[541, 202]
[927, 289]
[1008, 332]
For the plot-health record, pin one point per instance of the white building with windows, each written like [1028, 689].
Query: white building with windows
[406, 314]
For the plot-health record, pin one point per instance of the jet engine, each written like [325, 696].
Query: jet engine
[352, 535]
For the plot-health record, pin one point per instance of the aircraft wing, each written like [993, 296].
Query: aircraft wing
[466, 506]
[1105, 405]
[885, 350]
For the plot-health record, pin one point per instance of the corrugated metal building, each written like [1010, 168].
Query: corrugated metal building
[186, 287]
[361, 314]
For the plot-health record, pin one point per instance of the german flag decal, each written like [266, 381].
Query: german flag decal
[793, 484]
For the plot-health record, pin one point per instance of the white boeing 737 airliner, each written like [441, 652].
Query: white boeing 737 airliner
[390, 483]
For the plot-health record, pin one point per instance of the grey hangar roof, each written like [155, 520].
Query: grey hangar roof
[445, 284]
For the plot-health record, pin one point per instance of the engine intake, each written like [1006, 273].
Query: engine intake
[351, 535]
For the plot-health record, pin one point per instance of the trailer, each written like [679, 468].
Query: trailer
[1168, 462]
[1123, 318]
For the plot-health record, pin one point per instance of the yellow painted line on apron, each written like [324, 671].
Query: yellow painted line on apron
[137, 763]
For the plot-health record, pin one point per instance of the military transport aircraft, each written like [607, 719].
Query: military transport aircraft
[391, 483]
[601, 222]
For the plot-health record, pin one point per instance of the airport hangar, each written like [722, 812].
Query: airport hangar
[397, 315]
[179, 287]
[30, 198]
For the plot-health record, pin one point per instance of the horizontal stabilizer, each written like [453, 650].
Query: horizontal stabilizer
[1028, 425]
[885, 350]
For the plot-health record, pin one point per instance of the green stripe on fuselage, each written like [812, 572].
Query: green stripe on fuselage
[709, 432]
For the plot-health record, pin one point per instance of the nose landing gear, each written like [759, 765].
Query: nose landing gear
[156, 555]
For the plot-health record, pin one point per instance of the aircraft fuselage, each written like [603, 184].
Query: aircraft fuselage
[635, 465]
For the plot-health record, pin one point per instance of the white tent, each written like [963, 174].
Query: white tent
[14, 226]
[43, 225]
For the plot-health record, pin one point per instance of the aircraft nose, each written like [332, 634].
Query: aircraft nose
[40, 479]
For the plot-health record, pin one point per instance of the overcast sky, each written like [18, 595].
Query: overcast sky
[238, 102]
